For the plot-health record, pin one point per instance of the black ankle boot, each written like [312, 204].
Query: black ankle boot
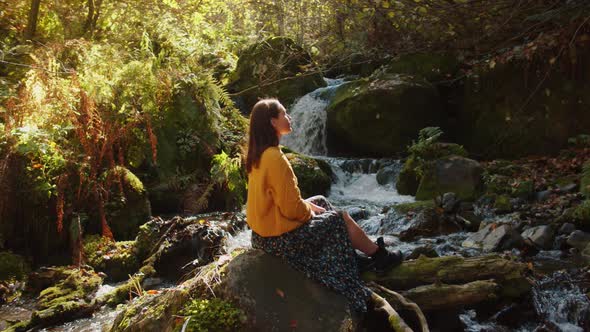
[383, 259]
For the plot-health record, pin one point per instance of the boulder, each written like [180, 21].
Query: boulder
[380, 116]
[428, 222]
[433, 67]
[274, 295]
[117, 260]
[274, 67]
[494, 238]
[314, 176]
[578, 239]
[540, 236]
[566, 228]
[387, 174]
[456, 174]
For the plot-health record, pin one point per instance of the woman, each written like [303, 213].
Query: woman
[309, 234]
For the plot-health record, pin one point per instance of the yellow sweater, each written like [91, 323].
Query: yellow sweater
[274, 202]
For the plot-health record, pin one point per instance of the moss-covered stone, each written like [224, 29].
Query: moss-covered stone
[13, 266]
[379, 117]
[117, 259]
[455, 174]
[275, 67]
[523, 189]
[68, 299]
[408, 180]
[314, 176]
[581, 215]
[416, 206]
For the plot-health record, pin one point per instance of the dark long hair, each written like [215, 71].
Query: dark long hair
[261, 134]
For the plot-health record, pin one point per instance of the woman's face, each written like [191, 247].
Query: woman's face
[282, 123]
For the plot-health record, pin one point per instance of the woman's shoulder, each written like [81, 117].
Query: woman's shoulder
[271, 154]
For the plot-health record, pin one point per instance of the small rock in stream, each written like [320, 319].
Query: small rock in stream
[566, 229]
[540, 236]
[578, 240]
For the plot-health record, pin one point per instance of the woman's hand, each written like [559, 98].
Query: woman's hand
[316, 209]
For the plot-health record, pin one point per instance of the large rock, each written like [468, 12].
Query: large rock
[274, 295]
[275, 67]
[456, 174]
[494, 238]
[379, 116]
[428, 222]
[314, 176]
[541, 236]
[117, 259]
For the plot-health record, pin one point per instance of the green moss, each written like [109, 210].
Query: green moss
[213, 315]
[13, 266]
[581, 215]
[407, 180]
[502, 203]
[116, 259]
[314, 175]
[404, 208]
[523, 189]
[497, 184]
[379, 117]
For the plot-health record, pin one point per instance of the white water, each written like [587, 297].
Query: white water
[308, 120]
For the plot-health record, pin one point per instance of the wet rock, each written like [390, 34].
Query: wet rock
[68, 299]
[429, 222]
[540, 236]
[578, 239]
[470, 220]
[183, 244]
[387, 174]
[494, 238]
[149, 283]
[358, 213]
[542, 196]
[450, 202]
[273, 295]
[314, 176]
[566, 229]
[117, 259]
[426, 250]
[456, 174]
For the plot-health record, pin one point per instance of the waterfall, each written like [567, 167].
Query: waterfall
[309, 116]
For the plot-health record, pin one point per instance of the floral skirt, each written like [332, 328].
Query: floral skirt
[322, 250]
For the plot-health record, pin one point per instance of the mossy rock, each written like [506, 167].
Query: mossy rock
[514, 109]
[523, 189]
[68, 299]
[455, 174]
[498, 184]
[117, 259]
[417, 206]
[379, 117]
[13, 266]
[433, 67]
[213, 315]
[581, 215]
[408, 180]
[314, 176]
[127, 210]
[275, 67]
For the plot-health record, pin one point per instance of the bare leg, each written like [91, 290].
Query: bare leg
[358, 237]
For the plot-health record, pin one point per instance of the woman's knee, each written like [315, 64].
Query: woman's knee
[322, 201]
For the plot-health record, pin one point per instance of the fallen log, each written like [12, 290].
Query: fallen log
[509, 275]
[440, 296]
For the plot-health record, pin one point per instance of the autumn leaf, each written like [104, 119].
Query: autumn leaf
[280, 293]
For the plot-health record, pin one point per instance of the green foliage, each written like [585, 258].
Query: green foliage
[585, 180]
[13, 266]
[428, 149]
[227, 172]
[213, 315]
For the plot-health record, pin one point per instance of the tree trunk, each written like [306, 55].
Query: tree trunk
[33, 17]
[455, 270]
[440, 296]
